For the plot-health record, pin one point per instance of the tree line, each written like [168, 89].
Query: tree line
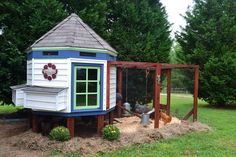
[138, 30]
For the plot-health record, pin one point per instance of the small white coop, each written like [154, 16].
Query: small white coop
[67, 74]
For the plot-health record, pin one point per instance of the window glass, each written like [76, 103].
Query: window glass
[92, 74]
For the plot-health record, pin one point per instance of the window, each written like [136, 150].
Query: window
[86, 87]
[50, 53]
[87, 54]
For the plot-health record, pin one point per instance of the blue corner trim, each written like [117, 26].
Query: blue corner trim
[75, 114]
[70, 54]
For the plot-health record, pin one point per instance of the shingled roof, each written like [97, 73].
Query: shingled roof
[72, 32]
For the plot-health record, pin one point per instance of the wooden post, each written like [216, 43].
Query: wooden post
[195, 98]
[111, 117]
[100, 124]
[108, 85]
[157, 83]
[35, 123]
[119, 82]
[71, 125]
[168, 91]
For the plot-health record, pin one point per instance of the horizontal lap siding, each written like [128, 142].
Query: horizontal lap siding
[43, 101]
[62, 77]
[29, 72]
[113, 87]
[40, 101]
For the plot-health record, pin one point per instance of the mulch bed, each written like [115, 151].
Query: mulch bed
[27, 140]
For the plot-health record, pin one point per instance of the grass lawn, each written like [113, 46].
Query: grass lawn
[7, 109]
[220, 142]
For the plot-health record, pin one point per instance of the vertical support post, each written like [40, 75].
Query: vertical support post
[111, 117]
[119, 82]
[108, 85]
[35, 123]
[157, 84]
[71, 125]
[168, 91]
[100, 124]
[195, 96]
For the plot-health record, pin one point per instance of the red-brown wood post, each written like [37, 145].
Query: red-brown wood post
[168, 91]
[71, 125]
[108, 85]
[195, 98]
[35, 123]
[119, 83]
[157, 83]
[111, 117]
[100, 124]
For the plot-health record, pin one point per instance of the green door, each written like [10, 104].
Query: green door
[86, 87]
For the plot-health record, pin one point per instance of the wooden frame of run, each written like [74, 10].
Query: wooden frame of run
[159, 69]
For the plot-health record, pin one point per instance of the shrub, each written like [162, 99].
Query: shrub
[60, 133]
[111, 132]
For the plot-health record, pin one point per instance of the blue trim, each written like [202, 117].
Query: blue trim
[70, 54]
[72, 87]
[76, 114]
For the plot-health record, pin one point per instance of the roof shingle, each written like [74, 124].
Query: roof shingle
[72, 32]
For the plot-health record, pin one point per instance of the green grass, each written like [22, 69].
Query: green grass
[219, 142]
[7, 109]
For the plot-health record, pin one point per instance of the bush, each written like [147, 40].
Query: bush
[111, 132]
[60, 133]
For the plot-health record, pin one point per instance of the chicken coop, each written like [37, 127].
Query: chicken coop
[67, 74]
[73, 72]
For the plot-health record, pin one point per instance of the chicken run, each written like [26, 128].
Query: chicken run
[160, 114]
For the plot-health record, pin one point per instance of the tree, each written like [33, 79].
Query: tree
[24, 22]
[209, 39]
[93, 12]
[139, 31]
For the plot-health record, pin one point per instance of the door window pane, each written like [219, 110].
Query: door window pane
[81, 74]
[92, 74]
[81, 87]
[92, 99]
[92, 86]
[80, 100]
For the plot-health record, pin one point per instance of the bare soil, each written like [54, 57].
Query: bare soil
[18, 140]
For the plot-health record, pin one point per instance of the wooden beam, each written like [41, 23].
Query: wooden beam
[111, 117]
[195, 95]
[188, 115]
[35, 123]
[70, 122]
[157, 84]
[108, 85]
[144, 65]
[119, 82]
[168, 91]
[100, 124]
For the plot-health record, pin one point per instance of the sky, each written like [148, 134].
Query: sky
[174, 8]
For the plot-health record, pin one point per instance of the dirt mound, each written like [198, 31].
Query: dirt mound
[132, 134]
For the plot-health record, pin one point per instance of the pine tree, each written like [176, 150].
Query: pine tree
[24, 22]
[139, 31]
[209, 39]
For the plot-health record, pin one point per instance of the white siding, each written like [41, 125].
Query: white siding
[45, 101]
[113, 87]
[61, 79]
[18, 97]
[29, 72]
